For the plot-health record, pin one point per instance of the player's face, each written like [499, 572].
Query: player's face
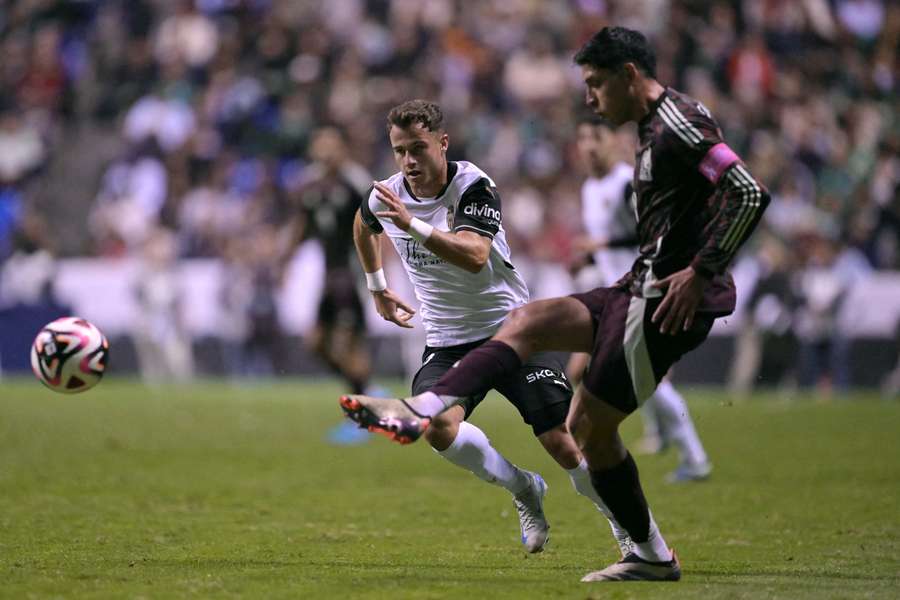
[608, 93]
[327, 147]
[422, 157]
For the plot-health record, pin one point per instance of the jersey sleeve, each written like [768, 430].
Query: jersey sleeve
[738, 199]
[478, 209]
[365, 211]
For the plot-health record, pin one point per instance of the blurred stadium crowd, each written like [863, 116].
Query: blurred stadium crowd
[180, 128]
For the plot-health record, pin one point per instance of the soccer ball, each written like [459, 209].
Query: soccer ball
[69, 355]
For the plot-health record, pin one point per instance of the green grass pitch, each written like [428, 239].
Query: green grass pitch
[222, 491]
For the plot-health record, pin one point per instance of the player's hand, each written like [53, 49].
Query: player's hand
[392, 308]
[684, 290]
[396, 211]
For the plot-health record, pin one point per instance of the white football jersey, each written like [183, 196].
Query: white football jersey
[456, 306]
[608, 213]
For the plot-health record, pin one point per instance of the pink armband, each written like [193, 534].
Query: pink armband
[719, 158]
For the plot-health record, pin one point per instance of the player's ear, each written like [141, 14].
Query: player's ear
[630, 72]
[444, 141]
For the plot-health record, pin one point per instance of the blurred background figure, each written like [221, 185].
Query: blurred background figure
[22, 155]
[162, 343]
[766, 346]
[253, 275]
[829, 275]
[28, 291]
[325, 205]
[205, 118]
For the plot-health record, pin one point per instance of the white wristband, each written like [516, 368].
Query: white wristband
[419, 230]
[376, 282]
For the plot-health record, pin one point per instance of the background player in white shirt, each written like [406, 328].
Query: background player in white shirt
[444, 219]
[611, 246]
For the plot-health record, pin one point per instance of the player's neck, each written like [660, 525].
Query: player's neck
[431, 189]
[600, 172]
[649, 93]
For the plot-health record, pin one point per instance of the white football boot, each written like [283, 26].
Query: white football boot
[530, 506]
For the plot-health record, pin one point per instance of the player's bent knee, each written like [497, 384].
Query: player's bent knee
[516, 322]
[442, 431]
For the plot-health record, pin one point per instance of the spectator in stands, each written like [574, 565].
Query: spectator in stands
[230, 92]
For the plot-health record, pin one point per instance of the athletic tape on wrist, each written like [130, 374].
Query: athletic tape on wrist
[376, 282]
[420, 230]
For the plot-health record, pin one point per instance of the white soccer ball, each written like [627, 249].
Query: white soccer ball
[69, 355]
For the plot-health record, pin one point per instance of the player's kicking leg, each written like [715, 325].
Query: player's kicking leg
[391, 417]
[466, 446]
[562, 324]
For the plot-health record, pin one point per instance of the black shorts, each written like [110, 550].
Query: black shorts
[539, 390]
[630, 356]
[340, 305]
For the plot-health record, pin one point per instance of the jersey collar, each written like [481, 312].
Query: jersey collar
[654, 106]
[451, 173]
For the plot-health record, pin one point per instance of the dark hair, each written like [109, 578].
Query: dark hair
[427, 113]
[612, 47]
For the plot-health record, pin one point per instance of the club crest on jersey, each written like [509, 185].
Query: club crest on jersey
[646, 171]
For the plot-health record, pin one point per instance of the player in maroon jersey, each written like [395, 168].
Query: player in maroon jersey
[696, 205]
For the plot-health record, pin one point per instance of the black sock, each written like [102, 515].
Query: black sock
[479, 370]
[620, 489]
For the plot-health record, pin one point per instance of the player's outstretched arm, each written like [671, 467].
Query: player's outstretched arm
[465, 249]
[388, 304]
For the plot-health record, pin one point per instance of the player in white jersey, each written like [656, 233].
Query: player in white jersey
[611, 245]
[444, 218]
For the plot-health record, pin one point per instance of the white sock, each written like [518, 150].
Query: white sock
[650, 420]
[472, 450]
[676, 422]
[581, 481]
[429, 404]
[655, 548]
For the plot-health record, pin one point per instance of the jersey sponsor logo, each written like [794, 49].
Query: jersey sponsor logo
[482, 211]
[418, 256]
[646, 170]
[550, 374]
